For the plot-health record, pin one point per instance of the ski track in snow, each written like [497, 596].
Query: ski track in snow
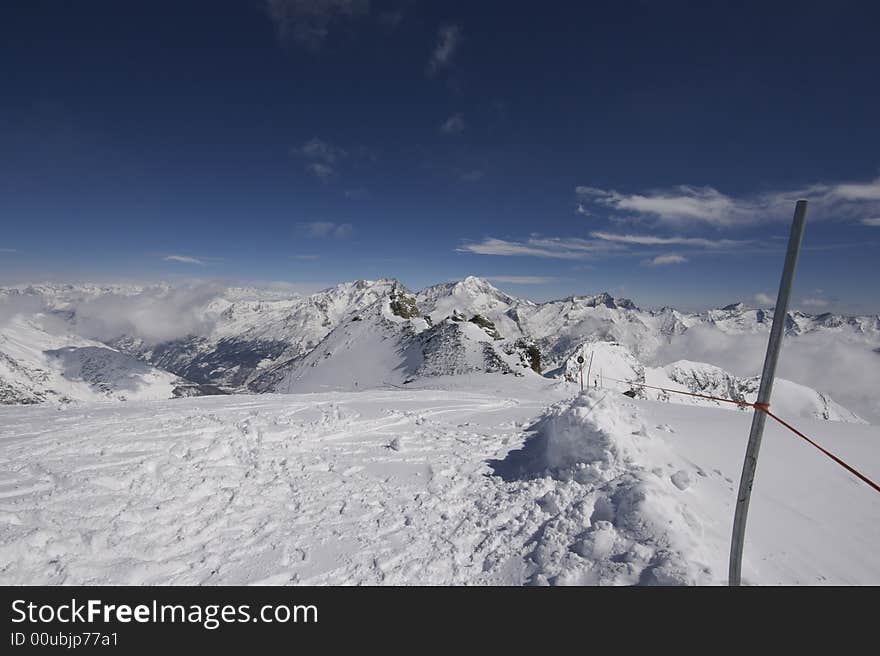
[396, 487]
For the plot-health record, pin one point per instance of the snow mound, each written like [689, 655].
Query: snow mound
[620, 509]
[791, 399]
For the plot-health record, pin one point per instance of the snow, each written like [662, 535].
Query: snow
[369, 349]
[615, 367]
[37, 365]
[637, 506]
[375, 348]
[230, 337]
[473, 479]
[394, 441]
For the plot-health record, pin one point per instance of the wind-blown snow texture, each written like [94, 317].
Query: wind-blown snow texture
[469, 482]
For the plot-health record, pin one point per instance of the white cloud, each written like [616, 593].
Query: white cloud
[448, 40]
[684, 205]
[343, 231]
[670, 258]
[829, 362]
[858, 191]
[356, 194]
[523, 280]
[473, 175]
[184, 259]
[765, 299]
[871, 222]
[307, 22]
[155, 314]
[547, 247]
[814, 302]
[320, 229]
[322, 157]
[318, 149]
[320, 170]
[650, 240]
[14, 304]
[453, 125]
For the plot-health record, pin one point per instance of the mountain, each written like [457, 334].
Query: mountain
[390, 343]
[38, 366]
[557, 327]
[216, 338]
[248, 335]
[370, 347]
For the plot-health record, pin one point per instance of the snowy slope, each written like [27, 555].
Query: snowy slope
[301, 322]
[376, 348]
[461, 347]
[230, 333]
[369, 349]
[472, 481]
[38, 366]
[644, 494]
[251, 332]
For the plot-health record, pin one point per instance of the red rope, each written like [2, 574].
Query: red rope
[765, 408]
[840, 462]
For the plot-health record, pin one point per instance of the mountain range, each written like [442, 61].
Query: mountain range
[81, 342]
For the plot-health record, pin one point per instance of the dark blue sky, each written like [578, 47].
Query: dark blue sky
[653, 149]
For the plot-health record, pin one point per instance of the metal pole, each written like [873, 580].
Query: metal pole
[589, 366]
[757, 431]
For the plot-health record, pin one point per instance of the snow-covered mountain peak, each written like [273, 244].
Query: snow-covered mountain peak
[604, 299]
[470, 287]
[358, 288]
[469, 296]
[477, 285]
